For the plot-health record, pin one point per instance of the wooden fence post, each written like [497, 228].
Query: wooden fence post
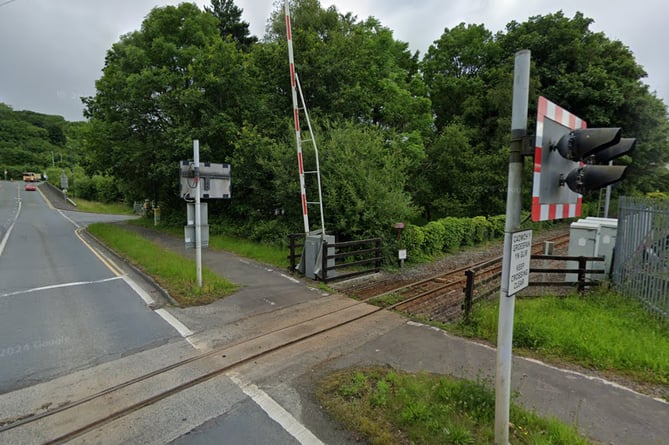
[469, 292]
[581, 274]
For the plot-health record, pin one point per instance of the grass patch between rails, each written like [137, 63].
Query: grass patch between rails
[173, 272]
[263, 253]
[384, 406]
[599, 330]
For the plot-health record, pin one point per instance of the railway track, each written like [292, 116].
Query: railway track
[90, 414]
[440, 297]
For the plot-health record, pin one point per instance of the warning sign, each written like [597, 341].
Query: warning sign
[519, 270]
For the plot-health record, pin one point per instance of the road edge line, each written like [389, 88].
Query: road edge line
[276, 412]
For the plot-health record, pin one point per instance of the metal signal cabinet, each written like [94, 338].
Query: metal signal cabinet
[594, 237]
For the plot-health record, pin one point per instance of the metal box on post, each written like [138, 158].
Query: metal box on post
[608, 230]
[312, 255]
[189, 228]
[214, 178]
[583, 241]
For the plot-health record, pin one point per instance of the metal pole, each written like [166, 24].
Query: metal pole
[296, 117]
[198, 227]
[521, 82]
[608, 198]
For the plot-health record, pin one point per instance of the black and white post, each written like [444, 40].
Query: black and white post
[521, 82]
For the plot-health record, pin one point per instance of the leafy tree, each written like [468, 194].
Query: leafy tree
[353, 70]
[364, 182]
[173, 81]
[230, 23]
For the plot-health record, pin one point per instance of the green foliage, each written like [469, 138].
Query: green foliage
[592, 330]
[385, 406]
[363, 184]
[435, 238]
[172, 271]
[28, 140]
[413, 238]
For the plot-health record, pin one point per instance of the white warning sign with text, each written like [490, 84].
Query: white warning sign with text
[519, 270]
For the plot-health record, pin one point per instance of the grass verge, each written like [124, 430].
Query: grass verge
[99, 207]
[384, 406]
[263, 253]
[599, 330]
[170, 270]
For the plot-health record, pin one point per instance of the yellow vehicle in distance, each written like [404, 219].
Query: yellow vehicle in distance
[31, 177]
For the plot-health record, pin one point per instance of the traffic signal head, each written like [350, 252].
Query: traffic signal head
[566, 161]
[590, 146]
[626, 145]
[579, 144]
[593, 177]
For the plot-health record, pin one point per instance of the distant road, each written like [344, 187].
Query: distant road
[61, 308]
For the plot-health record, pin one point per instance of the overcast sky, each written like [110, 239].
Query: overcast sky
[52, 51]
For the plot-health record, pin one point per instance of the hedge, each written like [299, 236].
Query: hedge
[449, 234]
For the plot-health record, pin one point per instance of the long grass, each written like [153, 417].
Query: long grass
[170, 270]
[600, 330]
[384, 406]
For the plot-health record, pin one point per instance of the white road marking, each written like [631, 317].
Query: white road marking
[56, 286]
[290, 278]
[276, 412]
[69, 219]
[9, 231]
[138, 290]
[176, 324]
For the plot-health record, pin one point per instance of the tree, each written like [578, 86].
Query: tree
[173, 81]
[230, 23]
[353, 70]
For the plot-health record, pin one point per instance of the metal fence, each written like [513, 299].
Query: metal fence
[641, 263]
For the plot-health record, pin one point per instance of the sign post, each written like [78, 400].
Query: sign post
[507, 301]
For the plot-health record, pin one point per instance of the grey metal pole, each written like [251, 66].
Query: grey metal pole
[607, 201]
[521, 82]
[198, 216]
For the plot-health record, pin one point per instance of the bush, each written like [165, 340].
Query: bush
[497, 224]
[481, 229]
[105, 189]
[435, 237]
[413, 238]
[455, 232]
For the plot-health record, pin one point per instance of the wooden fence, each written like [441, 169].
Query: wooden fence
[483, 281]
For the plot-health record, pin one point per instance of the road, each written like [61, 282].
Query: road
[61, 308]
[70, 326]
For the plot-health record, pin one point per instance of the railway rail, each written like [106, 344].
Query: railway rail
[440, 297]
[89, 414]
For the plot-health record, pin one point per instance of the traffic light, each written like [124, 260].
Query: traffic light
[590, 147]
[568, 160]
